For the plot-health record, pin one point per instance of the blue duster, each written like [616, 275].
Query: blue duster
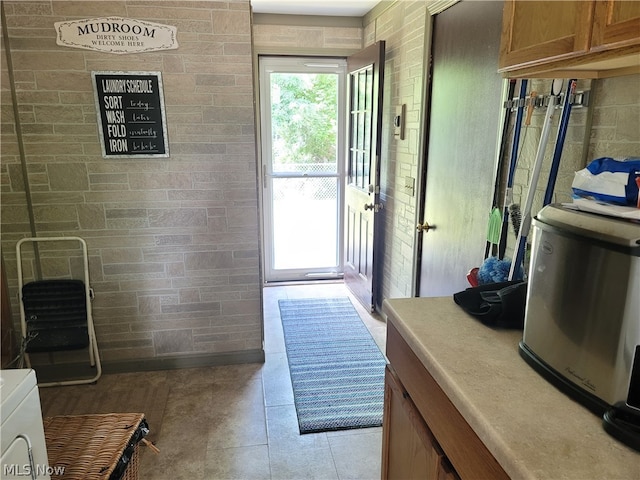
[494, 270]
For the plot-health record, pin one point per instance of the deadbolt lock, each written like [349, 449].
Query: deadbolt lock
[376, 207]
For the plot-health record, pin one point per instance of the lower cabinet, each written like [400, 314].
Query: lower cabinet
[424, 434]
[410, 449]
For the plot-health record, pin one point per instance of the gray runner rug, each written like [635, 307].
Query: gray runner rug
[337, 369]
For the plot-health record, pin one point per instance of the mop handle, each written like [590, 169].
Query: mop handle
[508, 195]
[562, 133]
[526, 213]
[516, 135]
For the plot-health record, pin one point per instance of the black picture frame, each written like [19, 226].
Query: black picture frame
[131, 114]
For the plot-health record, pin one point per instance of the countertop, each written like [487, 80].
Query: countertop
[531, 428]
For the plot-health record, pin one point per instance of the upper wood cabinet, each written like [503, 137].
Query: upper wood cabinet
[615, 24]
[536, 32]
[582, 39]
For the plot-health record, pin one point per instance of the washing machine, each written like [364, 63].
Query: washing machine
[24, 451]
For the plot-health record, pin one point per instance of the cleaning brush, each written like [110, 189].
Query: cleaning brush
[516, 217]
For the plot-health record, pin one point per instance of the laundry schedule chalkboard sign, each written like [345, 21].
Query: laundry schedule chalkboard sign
[131, 117]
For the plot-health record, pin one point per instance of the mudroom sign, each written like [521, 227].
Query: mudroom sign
[131, 117]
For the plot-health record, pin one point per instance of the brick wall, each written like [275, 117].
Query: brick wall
[403, 27]
[616, 118]
[173, 242]
[293, 34]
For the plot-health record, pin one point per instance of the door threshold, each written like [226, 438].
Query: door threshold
[305, 281]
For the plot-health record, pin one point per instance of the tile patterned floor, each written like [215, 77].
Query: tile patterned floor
[239, 421]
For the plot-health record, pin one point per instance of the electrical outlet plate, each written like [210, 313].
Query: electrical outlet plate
[409, 185]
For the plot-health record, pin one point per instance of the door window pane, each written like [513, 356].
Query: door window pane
[304, 112]
[361, 83]
[305, 211]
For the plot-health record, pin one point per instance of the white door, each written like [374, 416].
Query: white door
[302, 105]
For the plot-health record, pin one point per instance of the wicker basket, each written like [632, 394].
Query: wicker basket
[91, 447]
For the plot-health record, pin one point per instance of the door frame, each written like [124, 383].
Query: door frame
[334, 64]
[424, 147]
[433, 8]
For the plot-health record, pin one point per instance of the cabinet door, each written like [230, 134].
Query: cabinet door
[535, 32]
[446, 471]
[409, 449]
[616, 24]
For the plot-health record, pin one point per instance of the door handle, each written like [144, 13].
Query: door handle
[425, 227]
[376, 207]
